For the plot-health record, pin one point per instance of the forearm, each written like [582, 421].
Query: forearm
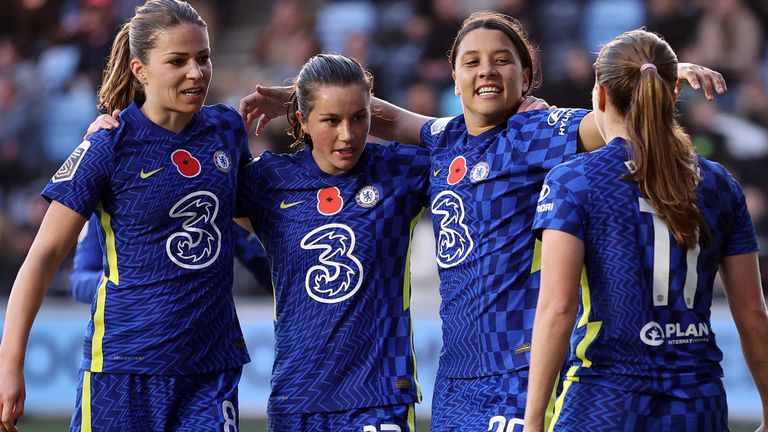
[27, 295]
[549, 346]
[753, 333]
[741, 278]
[390, 122]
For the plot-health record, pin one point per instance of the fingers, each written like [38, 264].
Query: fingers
[708, 80]
[262, 123]
[8, 416]
[530, 103]
[103, 121]
[245, 103]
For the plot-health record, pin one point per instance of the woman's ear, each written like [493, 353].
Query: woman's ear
[137, 68]
[526, 80]
[302, 122]
[601, 97]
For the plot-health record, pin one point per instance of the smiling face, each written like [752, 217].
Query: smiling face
[176, 75]
[338, 123]
[489, 78]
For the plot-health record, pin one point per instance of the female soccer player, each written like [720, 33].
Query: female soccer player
[651, 222]
[336, 220]
[164, 350]
[487, 167]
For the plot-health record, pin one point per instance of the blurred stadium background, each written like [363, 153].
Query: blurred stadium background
[52, 53]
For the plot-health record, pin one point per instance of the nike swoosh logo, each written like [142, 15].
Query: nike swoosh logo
[436, 172]
[284, 205]
[145, 175]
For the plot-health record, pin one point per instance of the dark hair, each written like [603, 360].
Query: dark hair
[134, 40]
[513, 29]
[639, 72]
[322, 69]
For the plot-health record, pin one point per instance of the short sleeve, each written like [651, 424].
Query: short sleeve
[415, 162]
[431, 131]
[559, 207]
[249, 184]
[547, 138]
[741, 239]
[84, 177]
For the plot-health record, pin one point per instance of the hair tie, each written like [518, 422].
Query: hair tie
[648, 66]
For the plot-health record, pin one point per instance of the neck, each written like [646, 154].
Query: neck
[478, 125]
[173, 121]
[614, 127]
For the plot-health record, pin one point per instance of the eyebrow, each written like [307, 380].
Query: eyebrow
[472, 52]
[205, 51]
[331, 114]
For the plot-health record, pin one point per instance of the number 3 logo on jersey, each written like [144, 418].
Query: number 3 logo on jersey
[454, 242]
[338, 274]
[199, 242]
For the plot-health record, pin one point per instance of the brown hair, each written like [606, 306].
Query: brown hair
[322, 69]
[134, 40]
[513, 29]
[666, 167]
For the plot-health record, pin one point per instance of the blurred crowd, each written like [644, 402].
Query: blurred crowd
[52, 53]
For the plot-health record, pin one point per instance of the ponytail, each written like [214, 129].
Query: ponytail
[639, 71]
[119, 87]
[667, 173]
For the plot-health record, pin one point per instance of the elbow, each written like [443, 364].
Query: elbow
[750, 320]
[558, 311]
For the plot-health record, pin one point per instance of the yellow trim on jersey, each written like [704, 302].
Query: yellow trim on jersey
[411, 418]
[593, 328]
[85, 403]
[536, 261]
[550, 411]
[415, 368]
[407, 304]
[99, 326]
[407, 272]
[274, 302]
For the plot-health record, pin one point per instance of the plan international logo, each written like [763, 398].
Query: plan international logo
[653, 334]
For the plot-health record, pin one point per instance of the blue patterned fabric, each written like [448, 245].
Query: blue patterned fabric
[643, 323]
[391, 418]
[164, 202]
[591, 408]
[483, 192]
[339, 251]
[492, 403]
[137, 402]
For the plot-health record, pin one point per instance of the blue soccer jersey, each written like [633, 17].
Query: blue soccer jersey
[88, 263]
[483, 191]
[339, 250]
[643, 322]
[165, 203]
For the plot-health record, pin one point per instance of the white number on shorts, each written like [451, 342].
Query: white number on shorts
[383, 428]
[661, 257]
[230, 416]
[501, 424]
